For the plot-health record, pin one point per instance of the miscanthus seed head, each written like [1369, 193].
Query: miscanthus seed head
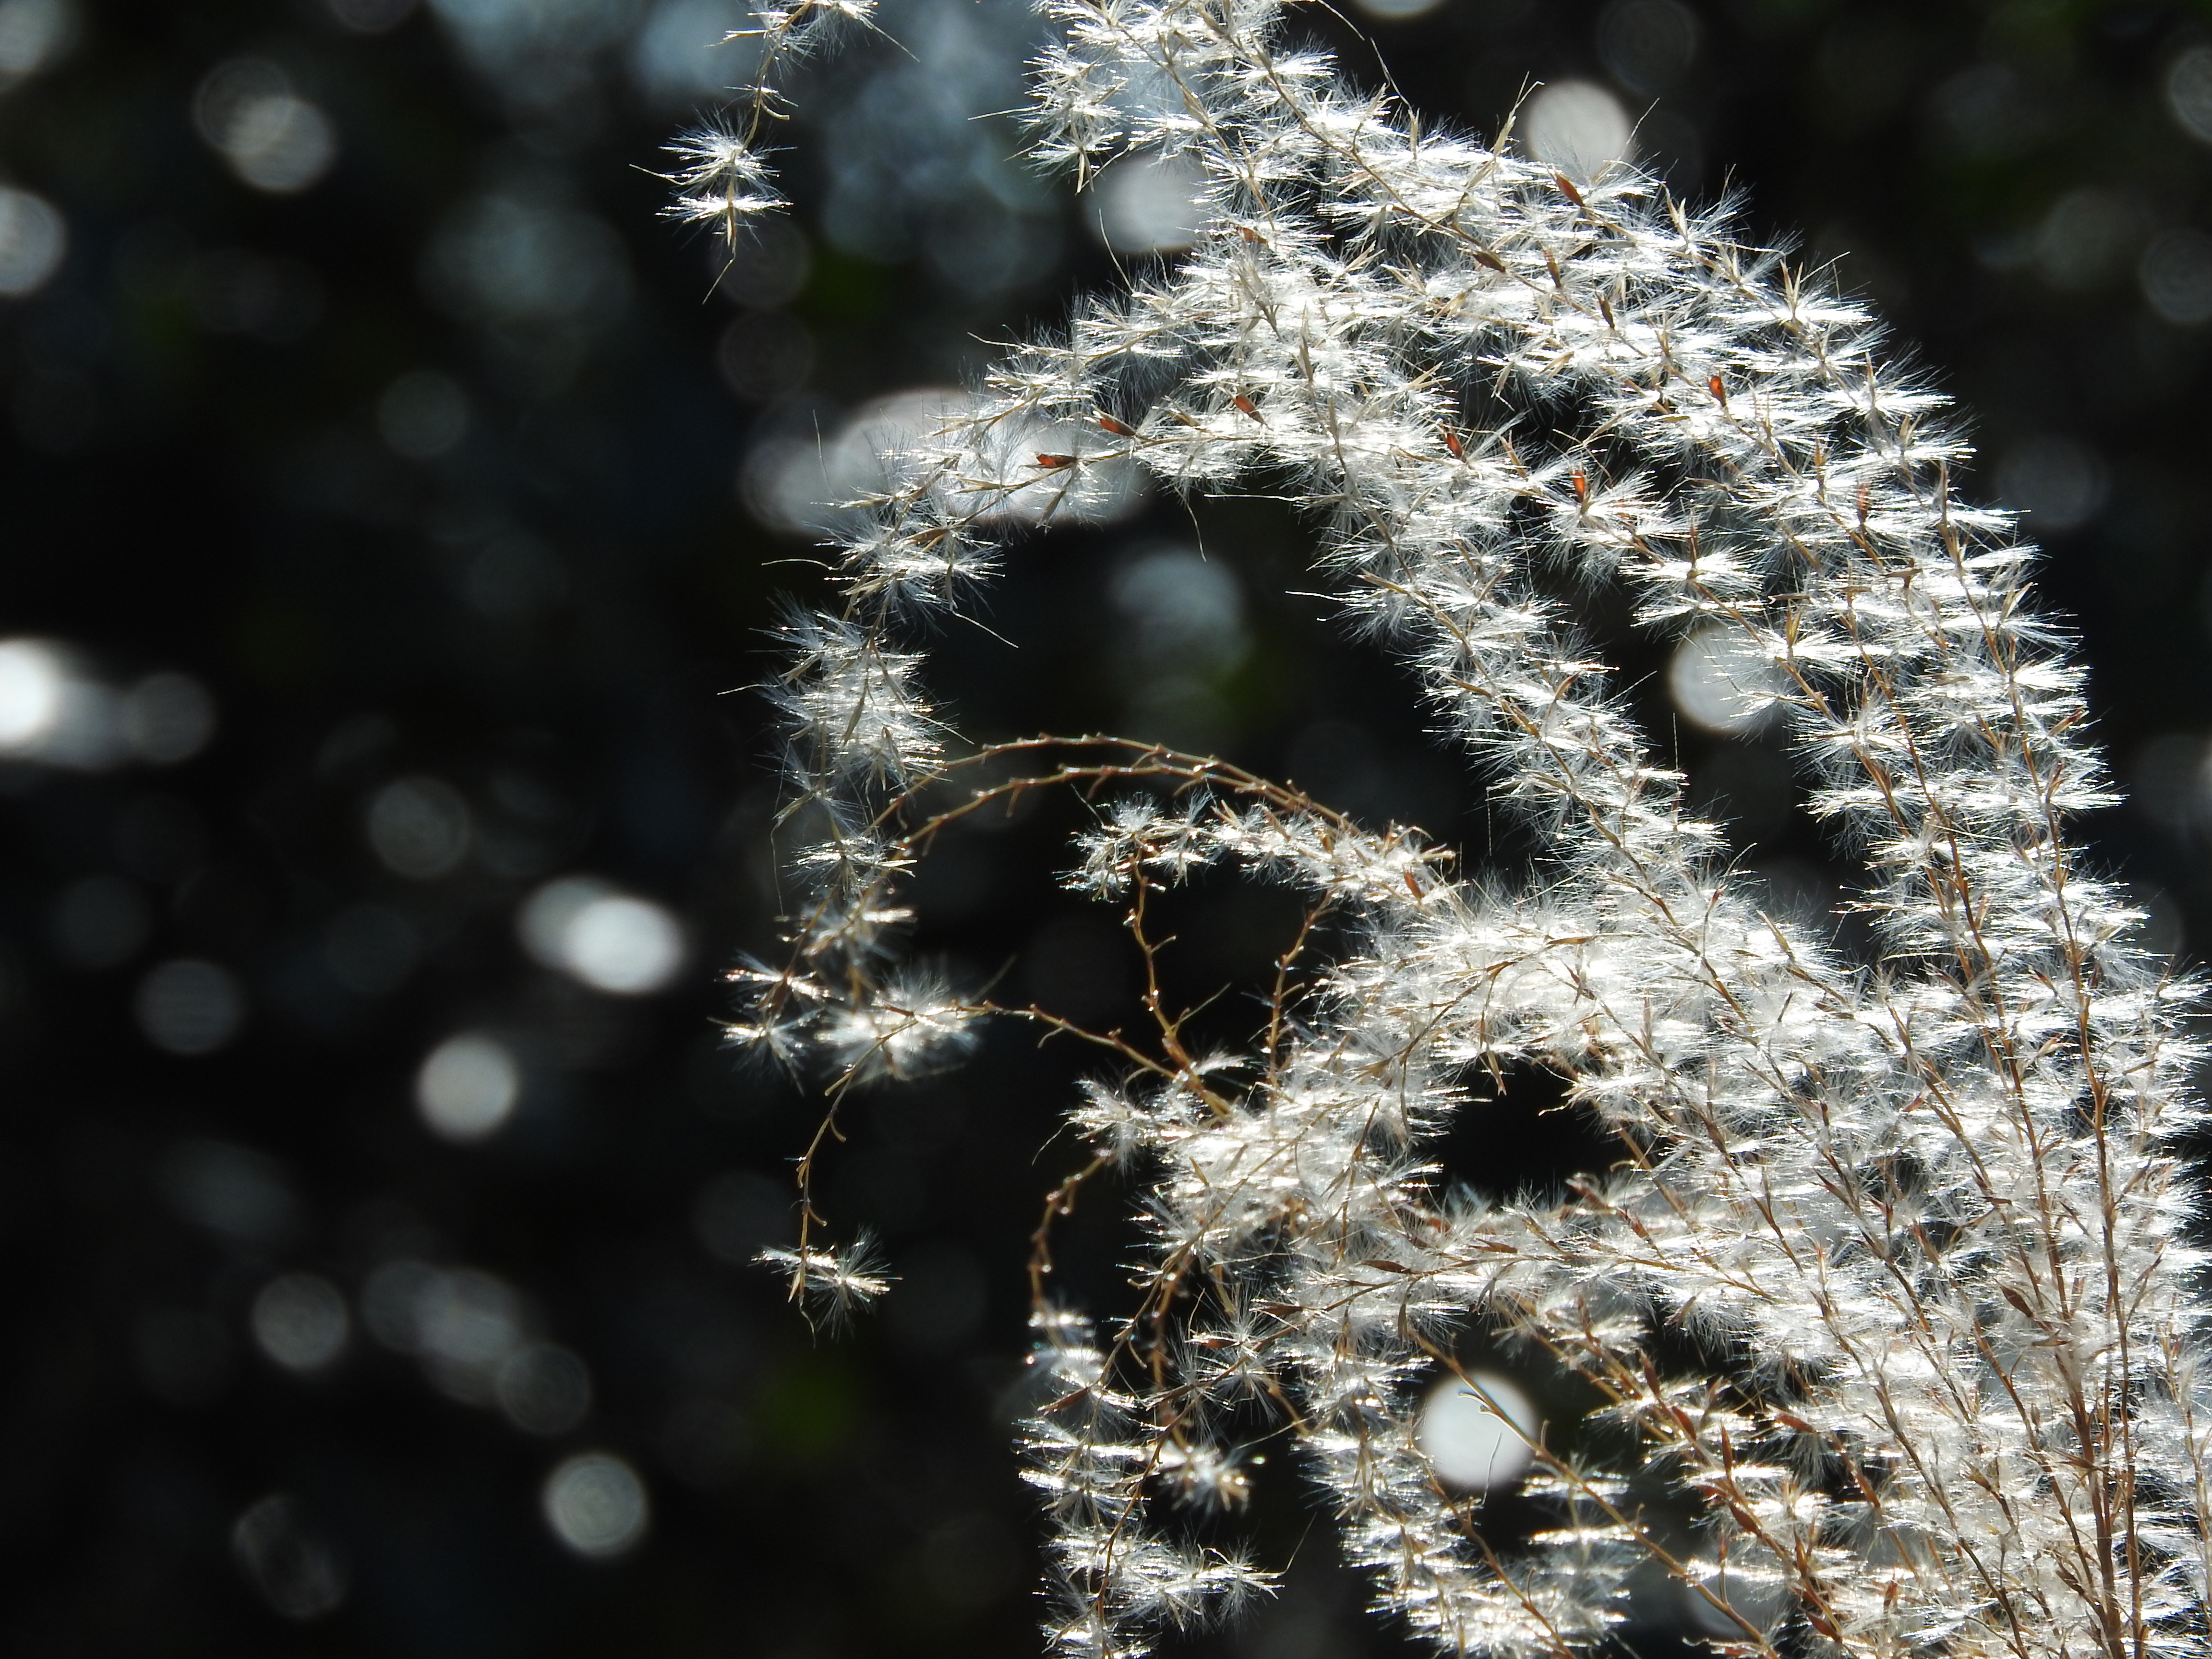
[1888, 1298]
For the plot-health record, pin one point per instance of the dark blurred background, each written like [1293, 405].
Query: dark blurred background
[395, 509]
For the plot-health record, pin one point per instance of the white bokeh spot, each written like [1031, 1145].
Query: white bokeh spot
[468, 1087]
[596, 1504]
[601, 936]
[1477, 1432]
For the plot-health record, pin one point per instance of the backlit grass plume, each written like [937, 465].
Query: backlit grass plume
[1888, 1291]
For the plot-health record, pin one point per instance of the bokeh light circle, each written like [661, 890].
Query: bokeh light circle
[595, 1503]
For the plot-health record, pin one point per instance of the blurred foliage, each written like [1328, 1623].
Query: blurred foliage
[370, 394]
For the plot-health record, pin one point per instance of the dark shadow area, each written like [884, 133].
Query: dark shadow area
[1521, 1137]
